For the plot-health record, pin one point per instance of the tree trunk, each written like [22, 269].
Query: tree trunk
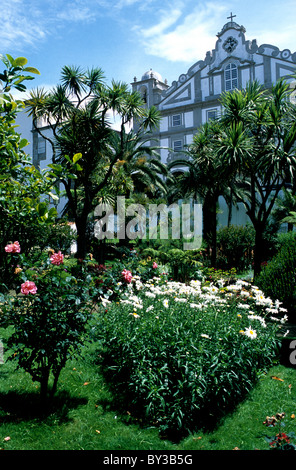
[82, 241]
[258, 249]
[210, 225]
[81, 221]
[56, 379]
[44, 384]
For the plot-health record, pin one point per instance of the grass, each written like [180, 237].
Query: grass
[244, 428]
[83, 415]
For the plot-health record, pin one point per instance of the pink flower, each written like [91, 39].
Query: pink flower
[57, 258]
[13, 248]
[154, 265]
[28, 287]
[127, 275]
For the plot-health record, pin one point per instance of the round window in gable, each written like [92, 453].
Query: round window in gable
[230, 44]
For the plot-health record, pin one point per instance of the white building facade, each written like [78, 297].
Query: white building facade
[193, 98]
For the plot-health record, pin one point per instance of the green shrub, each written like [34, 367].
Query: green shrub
[183, 265]
[150, 253]
[214, 275]
[278, 277]
[284, 239]
[235, 245]
[48, 315]
[110, 278]
[179, 361]
[60, 236]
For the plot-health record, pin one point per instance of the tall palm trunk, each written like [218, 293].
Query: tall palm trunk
[82, 239]
[259, 248]
[210, 225]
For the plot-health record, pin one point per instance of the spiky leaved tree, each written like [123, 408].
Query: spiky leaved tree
[267, 118]
[206, 177]
[250, 149]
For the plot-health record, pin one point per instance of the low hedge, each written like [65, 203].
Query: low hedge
[278, 277]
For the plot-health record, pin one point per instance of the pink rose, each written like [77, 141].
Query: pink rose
[154, 265]
[13, 248]
[28, 287]
[57, 258]
[127, 275]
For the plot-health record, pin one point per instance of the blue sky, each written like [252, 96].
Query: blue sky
[128, 37]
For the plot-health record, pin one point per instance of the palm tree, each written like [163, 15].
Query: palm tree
[207, 178]
[85, 147]
[250, 151]
[285, 205]
[263, 121]
[290, 219]
[141, 162]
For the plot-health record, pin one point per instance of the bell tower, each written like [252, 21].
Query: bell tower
[150, 87]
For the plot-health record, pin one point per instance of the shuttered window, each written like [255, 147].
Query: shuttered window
[231, 77]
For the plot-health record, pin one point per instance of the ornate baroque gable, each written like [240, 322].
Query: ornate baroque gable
[206, 78]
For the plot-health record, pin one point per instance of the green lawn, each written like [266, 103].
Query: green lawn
[83, 416]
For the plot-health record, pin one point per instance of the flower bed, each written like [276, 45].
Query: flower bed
[180, 356]
[177, 355]
[47, 315]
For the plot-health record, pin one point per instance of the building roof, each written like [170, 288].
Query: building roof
[152, 74]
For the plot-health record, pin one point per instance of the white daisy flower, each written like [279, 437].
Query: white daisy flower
[250, 333]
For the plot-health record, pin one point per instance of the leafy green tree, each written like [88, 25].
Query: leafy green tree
[247, 154]
[207, 177]
[285, 205]
[266, 121]
[23, 213]
[86, 150]
[15, 73]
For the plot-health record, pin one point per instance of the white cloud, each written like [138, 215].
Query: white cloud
[283, 38]
[165, 23]
[76, 14]
[18, 27]
[125, 3]
[76, 11]
[27, 22]
[186, 40]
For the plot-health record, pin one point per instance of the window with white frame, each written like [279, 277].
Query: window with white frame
[176, 120]
[231, 77]
[41, 145]
[177, 145]
[211, 114]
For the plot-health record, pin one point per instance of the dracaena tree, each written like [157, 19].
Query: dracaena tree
[249, 153]
[284, 206]
[267, 118]
[86, 149]
[206, 177]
